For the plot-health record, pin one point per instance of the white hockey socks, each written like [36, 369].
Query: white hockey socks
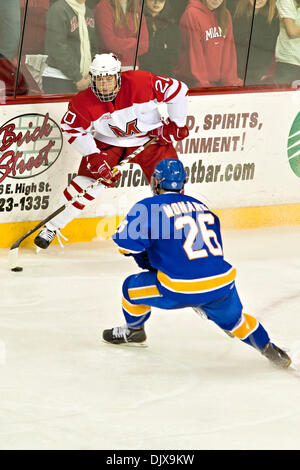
[77, 186]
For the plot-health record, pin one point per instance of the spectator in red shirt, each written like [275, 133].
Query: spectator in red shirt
[208, 55]
[117, 23]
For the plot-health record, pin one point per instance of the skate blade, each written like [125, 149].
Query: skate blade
[143, 344]
[288, 364]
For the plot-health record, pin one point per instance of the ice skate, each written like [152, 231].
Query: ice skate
[125, 335]
[44, 238]
[276, 355]
[47, 235]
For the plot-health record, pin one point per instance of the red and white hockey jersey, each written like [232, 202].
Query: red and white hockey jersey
[126, 121]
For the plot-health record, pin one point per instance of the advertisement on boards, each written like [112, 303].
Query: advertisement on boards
[243, 150]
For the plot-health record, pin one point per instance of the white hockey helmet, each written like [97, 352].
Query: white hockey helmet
[101, 66]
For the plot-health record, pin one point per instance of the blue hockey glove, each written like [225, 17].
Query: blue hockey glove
[142, 260]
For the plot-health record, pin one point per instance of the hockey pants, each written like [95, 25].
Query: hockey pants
[141, 292]
[148, 159]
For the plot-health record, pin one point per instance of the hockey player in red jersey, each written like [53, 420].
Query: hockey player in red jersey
[108, 121]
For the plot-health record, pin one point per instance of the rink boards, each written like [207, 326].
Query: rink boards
[242, 159]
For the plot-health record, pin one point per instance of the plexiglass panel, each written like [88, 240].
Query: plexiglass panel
[256, 28]
[10, 27]
[208, 53]
[76, 30]
[205, 43]
[162, 20]
[119, 26]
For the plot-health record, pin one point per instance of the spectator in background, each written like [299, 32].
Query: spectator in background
[10, 28]
[92, 3]
[35, 29]
[70, 44]
[164, 38]
[33, 47]
[288, 42]
[117, 23]
[208, 55]
[8, 73]
[178, 7]
[263, 38]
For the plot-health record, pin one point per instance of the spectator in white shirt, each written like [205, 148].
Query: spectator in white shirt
[288, 42]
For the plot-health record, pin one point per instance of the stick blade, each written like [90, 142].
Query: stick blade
[13, 258]
[15, 245]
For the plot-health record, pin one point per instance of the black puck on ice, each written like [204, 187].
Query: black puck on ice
[17, 269]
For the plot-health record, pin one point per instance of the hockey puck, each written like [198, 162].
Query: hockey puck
[17, 269]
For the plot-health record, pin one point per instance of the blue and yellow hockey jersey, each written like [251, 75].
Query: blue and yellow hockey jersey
[183, 241]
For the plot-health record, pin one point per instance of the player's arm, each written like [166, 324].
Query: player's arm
[77, 128]
[132, 236]
[174, 93]
[141, 259]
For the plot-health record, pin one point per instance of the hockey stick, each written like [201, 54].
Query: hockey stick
[13, 255]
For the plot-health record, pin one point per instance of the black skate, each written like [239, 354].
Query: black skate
[44, 238]
[276, 355]
[125, 335]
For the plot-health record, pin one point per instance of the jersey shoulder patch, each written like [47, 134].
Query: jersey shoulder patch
[136, 87]
[87, 105]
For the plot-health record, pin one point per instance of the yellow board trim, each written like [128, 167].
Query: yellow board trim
[87, 229]
[78, 230]
[201, 285]
[135, 309]
[140, 293]
[259, 216]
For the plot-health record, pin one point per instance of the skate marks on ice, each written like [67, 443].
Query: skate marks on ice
[193, 387]
[294, 353]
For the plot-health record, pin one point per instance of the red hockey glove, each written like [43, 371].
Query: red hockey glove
[98, 167]
[167, 131]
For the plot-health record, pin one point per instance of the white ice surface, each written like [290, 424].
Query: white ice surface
[193, 387]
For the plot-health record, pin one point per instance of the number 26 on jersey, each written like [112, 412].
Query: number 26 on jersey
[208, 236]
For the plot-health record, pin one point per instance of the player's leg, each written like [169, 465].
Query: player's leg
[77, 186]
[227, 313]
[140, 293]
[152, 155]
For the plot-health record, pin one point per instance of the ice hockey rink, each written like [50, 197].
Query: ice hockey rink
[192, 388]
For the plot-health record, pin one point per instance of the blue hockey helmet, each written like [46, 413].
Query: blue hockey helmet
[169, 174]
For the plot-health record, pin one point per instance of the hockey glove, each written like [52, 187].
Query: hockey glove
[168, 131]
[142, 260]
[98, 167]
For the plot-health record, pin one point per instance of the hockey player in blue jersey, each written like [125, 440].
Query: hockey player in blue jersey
[176, 240]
